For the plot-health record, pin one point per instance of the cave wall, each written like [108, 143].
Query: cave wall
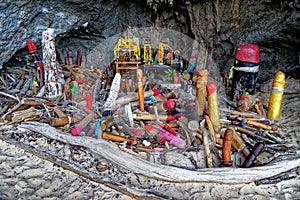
[272, 25]
[77, 23]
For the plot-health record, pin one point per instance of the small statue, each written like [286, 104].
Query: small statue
[246, 102]
[245, 70]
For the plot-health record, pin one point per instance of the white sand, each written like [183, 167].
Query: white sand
[25, 176]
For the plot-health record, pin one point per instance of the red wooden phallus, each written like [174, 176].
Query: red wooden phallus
[247, 53]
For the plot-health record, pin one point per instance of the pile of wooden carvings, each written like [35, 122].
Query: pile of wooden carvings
[192, 130]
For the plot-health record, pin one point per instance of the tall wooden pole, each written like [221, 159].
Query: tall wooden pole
[139, 76]
[213, 108]
[52, 80]
[201, 82]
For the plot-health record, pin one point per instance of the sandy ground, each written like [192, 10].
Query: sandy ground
[26, 176]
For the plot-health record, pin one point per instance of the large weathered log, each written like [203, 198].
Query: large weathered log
[163, 172]
[69, 166]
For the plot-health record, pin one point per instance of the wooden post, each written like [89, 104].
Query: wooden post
[213, 108]
[210, 128]
[201, 82]
[257, 149]
[118, 138]
[226, 150]
[114, 91]
[258, 124]
[78, 128]
[276, 96]
[208, 155]
[52, 81]
[139, 76]
[63, 121]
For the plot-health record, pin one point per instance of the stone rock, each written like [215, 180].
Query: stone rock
[272, 25]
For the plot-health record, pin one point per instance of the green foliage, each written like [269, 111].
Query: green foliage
[169, 74]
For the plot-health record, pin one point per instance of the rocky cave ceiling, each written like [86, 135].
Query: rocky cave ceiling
[272, 25]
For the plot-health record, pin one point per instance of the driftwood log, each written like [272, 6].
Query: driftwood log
[163, 172]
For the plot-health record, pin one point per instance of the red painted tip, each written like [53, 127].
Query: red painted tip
[178, 116]
[136, 131]
[203, 73]
[156, 92]
[76, 130]
[30, 45]
[89, 100]
[170, 118]
[78, 80]
[247, 53]
[211, 87]
[169, 104]
[149, 128]
[163, 140]
[88, 96]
